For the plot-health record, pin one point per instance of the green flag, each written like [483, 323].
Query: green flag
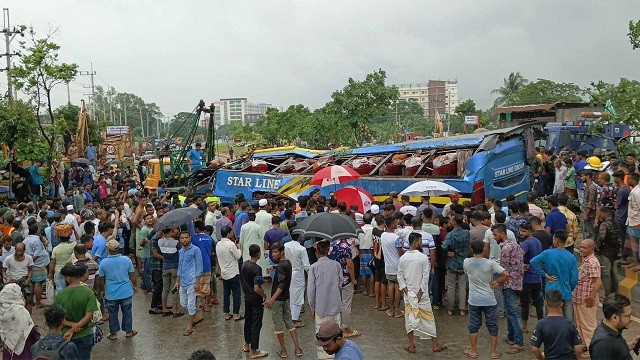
[608, 106]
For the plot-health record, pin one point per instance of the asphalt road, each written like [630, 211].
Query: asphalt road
[382, 337]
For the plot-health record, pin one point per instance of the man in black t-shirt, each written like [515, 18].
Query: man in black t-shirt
[251, 276]
[541, 234]
[379, 277]
[279, 301]
[558, 334]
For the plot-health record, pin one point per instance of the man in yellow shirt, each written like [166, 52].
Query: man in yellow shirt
[572, 222]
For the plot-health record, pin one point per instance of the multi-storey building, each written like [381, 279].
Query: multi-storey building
[434, 95]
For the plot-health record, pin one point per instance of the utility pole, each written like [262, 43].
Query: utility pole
[68, 95]
[158, 127]
[93, 91]
[141, 122]
[125, 112]
[9, 35]
[110, 104]
[148, 128]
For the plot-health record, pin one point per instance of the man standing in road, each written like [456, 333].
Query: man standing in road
[324, 290]
[633, 218]
[366, 255]
[35, 248]
[254, 296]
[297, 255]
[204, 242]
[189, 270]
[531, 281]
[558, 334]
[279, 302]
[340, 252]
[456, 244]
[117, 278]
[559, 269]
[607, 342]
[585, 295]
[573, 227]
[589, 203]
[228, 256]
[391, 245]
[251, 233]
[511, 259]
[413, 280]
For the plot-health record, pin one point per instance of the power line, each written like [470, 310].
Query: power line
[9, 35]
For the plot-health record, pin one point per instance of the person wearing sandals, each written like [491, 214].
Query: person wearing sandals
[79, 303]
[323, 290]
[456, 244]
[414, 270]
[482, 299]
[279, 301]
[228, 256]
[254, 296]
[187, 280]
[117, 277]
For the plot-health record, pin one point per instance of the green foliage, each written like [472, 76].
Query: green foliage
[510, 87]
[275, 127]
[545, 91]
[359, 101]
[467, 107]
[634, 34]
[39, 72]
[17, 121]
[242, 131]
[625, 98]
[33, 148]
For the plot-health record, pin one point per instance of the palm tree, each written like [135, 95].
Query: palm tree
[512, 84]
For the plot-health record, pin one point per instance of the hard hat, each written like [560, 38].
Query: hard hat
[594, 163]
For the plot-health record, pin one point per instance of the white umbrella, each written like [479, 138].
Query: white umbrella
[429, 188]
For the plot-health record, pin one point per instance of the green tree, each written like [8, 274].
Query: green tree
[467, 107]
[625, 99]
[17, 121]
[359, 101]
[39, 72]
[511, 85]
[284, 127]
[634, 34]
[545, 91]
[243, 131]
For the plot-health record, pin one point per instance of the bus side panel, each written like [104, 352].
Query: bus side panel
[506, 172]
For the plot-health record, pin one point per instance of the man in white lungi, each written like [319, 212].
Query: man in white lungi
[251, 233]
[413, 281]
[297, 255]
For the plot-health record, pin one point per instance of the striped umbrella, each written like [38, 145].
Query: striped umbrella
[333, 175]
[355, 195]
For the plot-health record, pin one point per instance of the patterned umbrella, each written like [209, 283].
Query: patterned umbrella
[334, 175]
[355, 195]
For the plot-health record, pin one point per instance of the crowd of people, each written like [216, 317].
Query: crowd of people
[485, 262]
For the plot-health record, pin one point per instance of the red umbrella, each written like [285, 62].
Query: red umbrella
[355, 195]
[333, 175]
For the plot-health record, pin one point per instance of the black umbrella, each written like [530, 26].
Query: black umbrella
[177, 217]
[328, 226]
[82, 161]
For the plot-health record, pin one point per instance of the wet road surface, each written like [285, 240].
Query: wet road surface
[382, 337]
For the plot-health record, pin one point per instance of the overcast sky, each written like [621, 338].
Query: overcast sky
[175, 52]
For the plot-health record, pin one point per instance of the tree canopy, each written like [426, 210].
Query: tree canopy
[511, 85]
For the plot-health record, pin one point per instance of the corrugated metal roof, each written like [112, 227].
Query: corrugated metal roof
[521, 108]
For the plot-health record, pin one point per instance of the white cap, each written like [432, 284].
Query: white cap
[375, 209]
[262, 202]
[69, 207]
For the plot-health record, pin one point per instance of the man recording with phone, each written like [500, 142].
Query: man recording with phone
[607, 341]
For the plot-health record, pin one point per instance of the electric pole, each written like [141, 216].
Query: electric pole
[68, 95]
[93, 91]
[125, 112]
[141, 122]
[148, 129]
[110, 104]
[9, 35]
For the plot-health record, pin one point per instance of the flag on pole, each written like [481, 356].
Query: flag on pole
[608, 106]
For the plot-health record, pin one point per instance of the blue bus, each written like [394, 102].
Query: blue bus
[484, 164]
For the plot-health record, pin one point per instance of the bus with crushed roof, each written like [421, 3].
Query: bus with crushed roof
[483, 164]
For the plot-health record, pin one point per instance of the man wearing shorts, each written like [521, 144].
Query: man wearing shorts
[203, 242]
[379, 277]
[366, 255]
[189, 269]
[392, 249]
[279, 301]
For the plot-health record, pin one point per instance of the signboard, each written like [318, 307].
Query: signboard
[118, 130]
[111, 149]
[471, 120]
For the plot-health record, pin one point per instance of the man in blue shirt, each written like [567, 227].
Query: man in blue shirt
[204, 242]
[559, 270]
[36, 180]
[241, 218]
[195, 156]
[117, 277]
[90, 151]
[99, 250]
[330, 337]
[555, 220]
[579, 166]
[188, 282]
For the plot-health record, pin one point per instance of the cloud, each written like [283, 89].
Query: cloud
[287, 52]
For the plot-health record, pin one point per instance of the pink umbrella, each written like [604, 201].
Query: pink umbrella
[355, 195]
[333, 175]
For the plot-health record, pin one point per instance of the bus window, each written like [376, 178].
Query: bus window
[510, 181]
